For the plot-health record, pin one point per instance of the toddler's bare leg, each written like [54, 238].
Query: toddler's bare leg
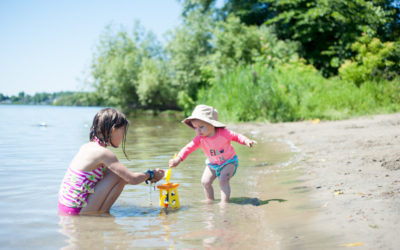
[226, 175]
[207, 180]
[107, 190]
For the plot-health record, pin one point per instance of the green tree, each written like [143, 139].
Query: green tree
[250, 12]
[187, 53]
[196, 5]
[74, 99]
[236, 44]
[325, 29]
[374, 60]
[21, 97]
[154, 87]
[40, 98]
[117, 64]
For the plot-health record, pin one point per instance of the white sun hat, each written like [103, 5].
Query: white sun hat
[206, 114]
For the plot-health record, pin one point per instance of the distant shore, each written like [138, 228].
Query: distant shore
[353, 168]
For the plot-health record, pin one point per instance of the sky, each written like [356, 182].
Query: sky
[47, 46]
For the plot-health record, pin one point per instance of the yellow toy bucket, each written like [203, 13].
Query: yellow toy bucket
[169, 195]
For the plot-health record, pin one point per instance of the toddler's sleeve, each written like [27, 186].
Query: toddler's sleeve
[239, 138]
[189, 148]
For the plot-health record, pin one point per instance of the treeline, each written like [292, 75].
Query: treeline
[255, 60]
[63, 98]
[259, 60]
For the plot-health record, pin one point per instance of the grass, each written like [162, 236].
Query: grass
[293, 92]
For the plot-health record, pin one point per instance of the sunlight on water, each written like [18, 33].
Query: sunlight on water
[38, 142]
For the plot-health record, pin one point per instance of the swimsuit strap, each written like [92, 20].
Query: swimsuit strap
[98, 141]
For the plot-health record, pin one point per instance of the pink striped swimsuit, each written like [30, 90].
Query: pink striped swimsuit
[75, 189]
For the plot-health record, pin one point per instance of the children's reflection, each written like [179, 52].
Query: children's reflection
[93, 232]
[218, 226]
[166, 224]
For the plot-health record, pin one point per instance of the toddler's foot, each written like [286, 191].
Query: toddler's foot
[208, 201]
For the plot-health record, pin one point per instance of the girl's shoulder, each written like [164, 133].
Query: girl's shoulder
[90, 156]
[90, 146]
[95, 151]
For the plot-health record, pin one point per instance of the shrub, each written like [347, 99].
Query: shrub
[295, 91]
[374, 60]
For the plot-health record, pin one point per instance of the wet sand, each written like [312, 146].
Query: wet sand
[352, 170]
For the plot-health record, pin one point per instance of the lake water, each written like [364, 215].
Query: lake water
[267, 210]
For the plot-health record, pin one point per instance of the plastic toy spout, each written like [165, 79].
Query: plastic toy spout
[168, 175]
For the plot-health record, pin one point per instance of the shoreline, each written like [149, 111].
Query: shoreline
[353, 169]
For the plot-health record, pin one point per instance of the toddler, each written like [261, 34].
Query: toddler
[215, 140]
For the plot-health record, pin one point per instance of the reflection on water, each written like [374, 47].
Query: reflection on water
[268, 207]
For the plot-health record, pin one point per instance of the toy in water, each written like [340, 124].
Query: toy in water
[169, 193]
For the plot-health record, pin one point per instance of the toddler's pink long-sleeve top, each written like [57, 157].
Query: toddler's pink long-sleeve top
[217, 148]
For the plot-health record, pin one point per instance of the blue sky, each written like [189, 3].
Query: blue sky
[47, 46]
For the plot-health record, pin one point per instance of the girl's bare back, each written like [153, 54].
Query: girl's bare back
[89, 157]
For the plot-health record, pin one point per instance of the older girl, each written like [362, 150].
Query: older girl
[95, 178]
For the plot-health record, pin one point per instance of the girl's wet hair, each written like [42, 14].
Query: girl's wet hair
[103, 123]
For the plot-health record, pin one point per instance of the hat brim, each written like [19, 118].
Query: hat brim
[214, 123]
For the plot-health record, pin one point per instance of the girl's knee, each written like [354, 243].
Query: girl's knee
[121, 183]
[111, 177]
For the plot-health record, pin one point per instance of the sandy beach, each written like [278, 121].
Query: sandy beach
[353, 169]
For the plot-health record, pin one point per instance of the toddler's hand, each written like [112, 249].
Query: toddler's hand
[174, 162]
[250, 143]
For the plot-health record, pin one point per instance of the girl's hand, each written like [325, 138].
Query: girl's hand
[158, 175]
[174, 162]
[250, 143]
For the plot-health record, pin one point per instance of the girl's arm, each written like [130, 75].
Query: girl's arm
[112, 162]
